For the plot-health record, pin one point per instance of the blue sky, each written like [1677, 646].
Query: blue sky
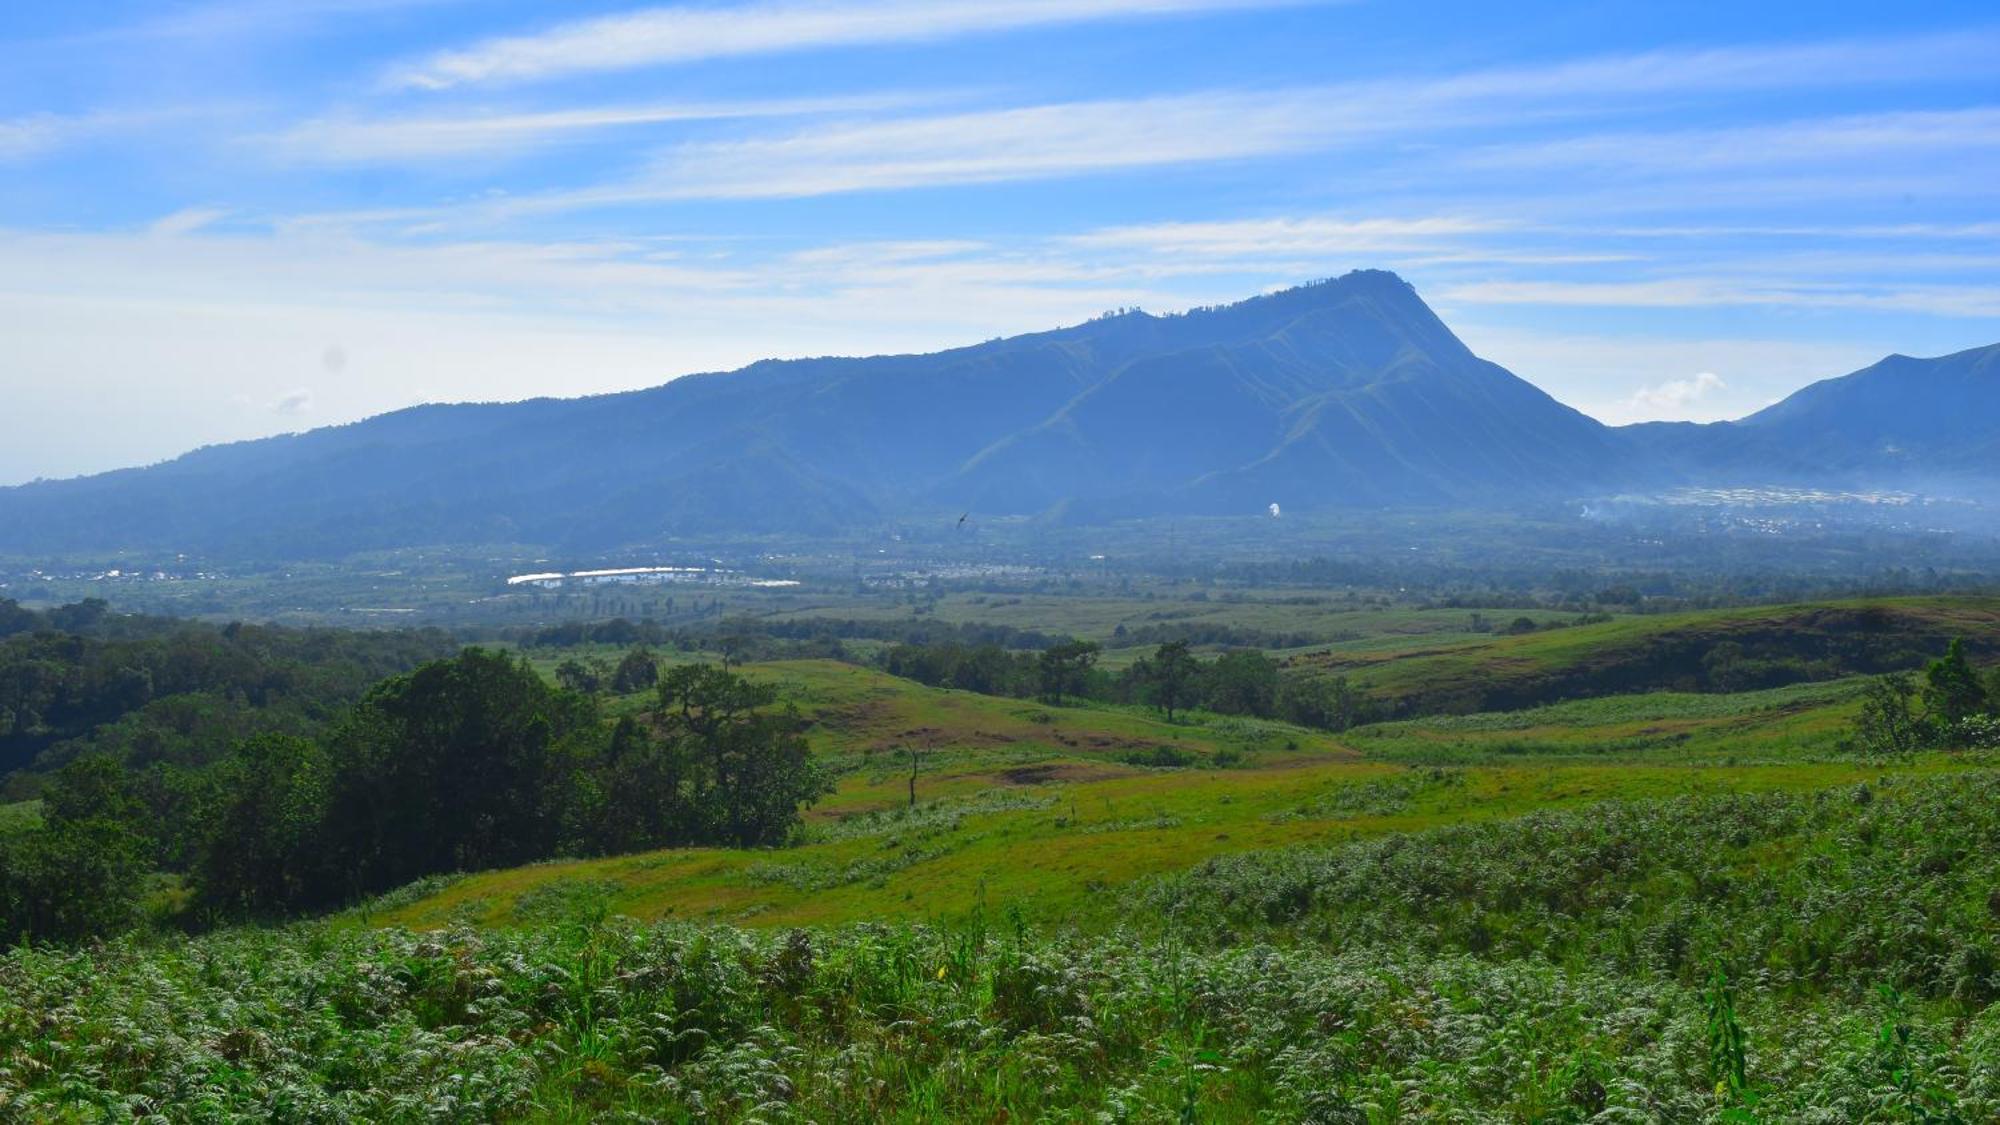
[230, 218]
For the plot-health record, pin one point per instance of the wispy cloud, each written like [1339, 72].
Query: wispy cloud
[1313, 234]
[359, 140]
[985, 147]
[32, 135]
[686, 33]
[1700, 292]
[185, 221]
[1084, 137]
[1815, 141]
[1675, 396]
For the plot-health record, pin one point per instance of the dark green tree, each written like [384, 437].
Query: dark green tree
[460, 765]
[751, 772]
[1173, 674]
[1243, 682]
[574, 675]
[1323, 702]
[1888, 724]
[265, 850]
[638, 671]
[1952, 691]
[1064, 669]
[81, 873]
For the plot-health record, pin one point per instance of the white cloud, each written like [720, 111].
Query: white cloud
[1084, 137]
[1010, 144]
[352, 140]
[185, 221]
[1609, 377]
[688, 33]
[1675, 396]
[1973, 301]
[1288, 236]
[1815, 141]
[23, 137]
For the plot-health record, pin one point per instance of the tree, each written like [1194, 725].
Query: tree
[638, 796]
[264, 849]
[915, 761]
[753, 771]
[637, 672]
[1888, 724]
[1064, 669]
[1324, 703]
[80, 874]
[1952, 691]
[1173, 672]
[574, 675]
[79, 617]
[1243, 682]
[455, 767]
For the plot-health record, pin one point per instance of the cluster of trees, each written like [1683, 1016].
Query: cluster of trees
[465, 763]
[1173, 679]
[1064, 670]
[77, 680]
[1244, 682]
[1952, 705]
[636, 671]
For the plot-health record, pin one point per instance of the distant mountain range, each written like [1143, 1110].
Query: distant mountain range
[1342, 393]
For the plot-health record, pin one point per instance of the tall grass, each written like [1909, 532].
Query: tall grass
[1823, 957]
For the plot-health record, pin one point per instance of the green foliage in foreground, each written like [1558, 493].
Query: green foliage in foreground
[1837, 890]
[588, 1021]
[1818, 957]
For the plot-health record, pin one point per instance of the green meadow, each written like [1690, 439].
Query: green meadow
[1637, 895]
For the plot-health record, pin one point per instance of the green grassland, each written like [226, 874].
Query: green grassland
[1559, 892]
[1557, 967]
[1047, 808]
[1044, 809]
[1640, 653]
[1333, 618]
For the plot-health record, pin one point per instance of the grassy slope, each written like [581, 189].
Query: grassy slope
[1045, 816]
[1331, 618]
[1036, 807]
[1641, 653]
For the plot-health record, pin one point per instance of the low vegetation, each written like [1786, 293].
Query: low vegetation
[944, 874]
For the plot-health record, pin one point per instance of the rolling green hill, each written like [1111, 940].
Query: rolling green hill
[1705, 651]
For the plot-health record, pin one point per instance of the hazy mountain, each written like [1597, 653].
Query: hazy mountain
[1346, 392]
[1901, 421]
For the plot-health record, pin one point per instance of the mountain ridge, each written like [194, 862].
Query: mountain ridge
[1344, 392]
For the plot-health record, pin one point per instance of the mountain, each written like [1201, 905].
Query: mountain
[1901, 421]
[1346, 392]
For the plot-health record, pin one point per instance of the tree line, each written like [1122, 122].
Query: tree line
[1173, 679]
[465, 763]
[79, 679]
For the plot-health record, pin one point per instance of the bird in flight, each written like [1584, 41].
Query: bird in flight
[962, 519]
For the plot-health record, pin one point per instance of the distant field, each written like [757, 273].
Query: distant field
[1336, 618]
[1661, 652]
[1793, 723]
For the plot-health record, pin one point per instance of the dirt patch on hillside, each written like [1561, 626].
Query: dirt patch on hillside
[1049, 773]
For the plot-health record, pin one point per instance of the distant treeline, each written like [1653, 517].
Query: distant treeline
[1172, 679]
[1500, 586]
[151, 690]
[815, 634]
[467, 763]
